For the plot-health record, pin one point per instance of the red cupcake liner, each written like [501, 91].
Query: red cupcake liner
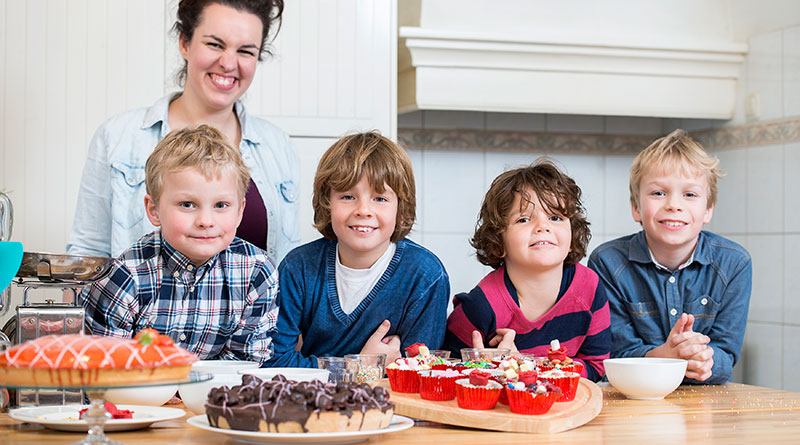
[568, 385]
[503, 400]
[477, 398]
[521, 401]
[403, 380]
[440, 367]
[574, 367]
[437, 388]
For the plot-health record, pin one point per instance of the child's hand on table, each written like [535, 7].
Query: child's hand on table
[380, 343]
[682, 342]
[504, 338]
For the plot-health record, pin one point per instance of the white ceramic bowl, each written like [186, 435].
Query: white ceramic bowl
[142, 395]
[297, 374]
[222, 366]
[194, 395]
[645, 377]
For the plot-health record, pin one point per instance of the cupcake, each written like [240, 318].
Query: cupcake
[477, 391]
[403, 374]
[536, 398]
[480, 364]
[422, 354]
[557, 359]
[439, 385]
[566, 381]
[510, 377]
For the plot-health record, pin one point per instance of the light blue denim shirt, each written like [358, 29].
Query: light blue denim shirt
[110, 214]
[647, 300]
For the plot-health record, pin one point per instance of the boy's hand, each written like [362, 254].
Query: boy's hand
[379, 343]
[504, 338]
[686, 344]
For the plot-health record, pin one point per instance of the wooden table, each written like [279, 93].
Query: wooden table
[731, 413]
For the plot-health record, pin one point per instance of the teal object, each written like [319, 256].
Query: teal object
[10, 259]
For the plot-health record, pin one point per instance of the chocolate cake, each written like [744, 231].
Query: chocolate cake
[285, 406]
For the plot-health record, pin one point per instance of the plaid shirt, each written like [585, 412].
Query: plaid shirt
[225, 308]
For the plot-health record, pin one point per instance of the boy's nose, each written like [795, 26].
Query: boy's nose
[674, 203]
[364, 208]
[204, 219]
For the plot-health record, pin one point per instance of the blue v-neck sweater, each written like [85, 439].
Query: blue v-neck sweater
[412, 294]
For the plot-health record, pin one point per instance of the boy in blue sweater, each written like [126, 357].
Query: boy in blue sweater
[363, 287]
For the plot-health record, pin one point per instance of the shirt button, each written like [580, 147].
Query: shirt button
[704, 301]
[183, 337]
[190, 267]
[176, 274]
[673, 312]
[191, 288]
[671, 279]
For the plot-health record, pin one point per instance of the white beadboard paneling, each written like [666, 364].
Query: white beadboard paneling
[310, 150]
[791, 358]
[96, 72]
[791, 71]
[765, 189]
[453, 191]
[617, 215]
[3, 162]
[14, 114]
[35, 126]
[309, 74]
[458, 258]
[730, 211]
[764, 73]
[515, 121]
[633, 125]
[574, 123]
[791, 280]
[328, 56]
[53, 179]
[117, 32]
[460, 120]
[763, 343]
[766, 299]
[791, 165]
[346, 51]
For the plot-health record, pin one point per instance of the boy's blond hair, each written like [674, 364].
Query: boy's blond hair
[383, 161]
[203, 148]
[676, 150]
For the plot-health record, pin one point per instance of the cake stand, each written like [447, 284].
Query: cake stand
[96, 415]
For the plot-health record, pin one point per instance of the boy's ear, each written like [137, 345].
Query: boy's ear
[635, 213]
[151, 209]
[708, 215]
[241, 212]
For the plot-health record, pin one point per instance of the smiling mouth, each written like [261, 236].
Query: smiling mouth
[363, 229]
[542, 243]
[225, 82]
[674, 223]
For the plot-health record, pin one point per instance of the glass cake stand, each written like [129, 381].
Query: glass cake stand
[97, 415]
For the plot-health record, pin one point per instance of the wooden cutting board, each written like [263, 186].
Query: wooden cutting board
[561, 417]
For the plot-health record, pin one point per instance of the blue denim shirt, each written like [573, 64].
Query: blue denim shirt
[110, 214]
[647, 300]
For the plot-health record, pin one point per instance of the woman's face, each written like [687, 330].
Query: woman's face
[221, 57]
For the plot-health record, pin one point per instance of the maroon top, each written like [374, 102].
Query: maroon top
[253, 227]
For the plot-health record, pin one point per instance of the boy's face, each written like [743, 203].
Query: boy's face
[672, 209]
[536, 238]
[363, 221]
[198, 216]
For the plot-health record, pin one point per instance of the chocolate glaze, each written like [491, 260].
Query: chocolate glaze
[281, 400]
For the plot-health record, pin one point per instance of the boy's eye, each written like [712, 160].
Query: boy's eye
[657, 193]
[347, 197]
[186, 204]
[221, 205]
[556, 218]
[522, 220]
[691, 195]
[381, 199]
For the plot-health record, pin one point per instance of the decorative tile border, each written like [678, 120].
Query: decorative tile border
[476, 140]
[749, 135]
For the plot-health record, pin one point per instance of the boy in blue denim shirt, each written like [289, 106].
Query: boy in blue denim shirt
[675, 290]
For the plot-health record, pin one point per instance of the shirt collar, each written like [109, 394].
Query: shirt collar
[640, 253]
[175, 261]
[159, 113]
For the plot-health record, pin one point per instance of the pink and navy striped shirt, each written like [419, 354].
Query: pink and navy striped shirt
[579, 319]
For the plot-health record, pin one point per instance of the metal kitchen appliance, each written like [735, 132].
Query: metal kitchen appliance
[57, 272]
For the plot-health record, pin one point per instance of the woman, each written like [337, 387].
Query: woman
[221, 42]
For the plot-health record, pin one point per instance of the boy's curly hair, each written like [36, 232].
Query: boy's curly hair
[555, 190]
[383, 161]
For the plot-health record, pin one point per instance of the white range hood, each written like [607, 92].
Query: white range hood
[613, 57]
